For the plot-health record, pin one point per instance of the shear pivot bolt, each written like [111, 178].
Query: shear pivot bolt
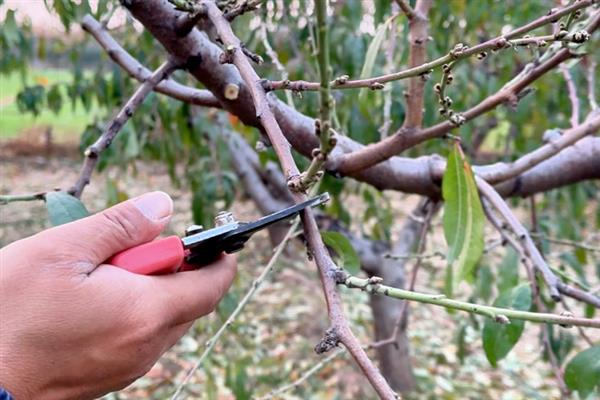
[224, 218]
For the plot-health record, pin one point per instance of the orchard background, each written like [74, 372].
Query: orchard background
[402, 76]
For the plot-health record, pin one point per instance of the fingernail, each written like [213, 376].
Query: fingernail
[155, 205]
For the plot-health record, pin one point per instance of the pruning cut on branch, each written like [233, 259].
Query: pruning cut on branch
[217, 42]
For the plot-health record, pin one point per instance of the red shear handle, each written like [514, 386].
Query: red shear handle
[159, 257]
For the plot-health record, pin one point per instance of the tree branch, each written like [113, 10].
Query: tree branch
[406, 9]
[254, 288]
[497, 43]
[374, 286]
[524, 238]
[327, 139]
[572, 94]
[417, 36]
[93, 152]
[421, 175]
[138, 71]
[530, 160]
[339, 328]
[402, 140]
[10, 198]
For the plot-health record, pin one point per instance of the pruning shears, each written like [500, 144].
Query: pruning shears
[200, 247]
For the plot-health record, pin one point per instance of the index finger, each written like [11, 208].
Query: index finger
[185, 296]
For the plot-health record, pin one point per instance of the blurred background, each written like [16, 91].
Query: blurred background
[58, 88]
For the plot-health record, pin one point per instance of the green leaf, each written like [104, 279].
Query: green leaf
[484, 282]
[508, 271]
[132, 148]
[54, 99]
[372, 51]
[499, 339]
[463, 219]
[114, 194]
[347, 256]
[64, 208]
[583, 372]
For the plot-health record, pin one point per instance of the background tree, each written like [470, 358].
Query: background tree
[361, 99]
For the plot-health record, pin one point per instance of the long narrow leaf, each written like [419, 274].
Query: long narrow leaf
[373, 50]
[463, 218]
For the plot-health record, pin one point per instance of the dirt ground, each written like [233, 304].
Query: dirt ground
[275, 335]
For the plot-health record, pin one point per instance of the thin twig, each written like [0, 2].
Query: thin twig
[591, 78]
[275, 59]
[375, 153]
[93, 152]
[567, 242]
[10, 198]
[242, 8]
[406, 9]
[373, 286]
[497, 43]
[327, 138]
[572, 94]
[524, 238]
[254, 288]
[307, 374]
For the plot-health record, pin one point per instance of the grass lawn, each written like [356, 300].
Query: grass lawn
[66, 125]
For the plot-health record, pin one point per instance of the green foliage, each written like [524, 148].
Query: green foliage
[236, 379]
[508, 271]
[16, 44]
[114, 194]
[31, 99]
[346, 255]
[373, 51]
[499, 339]
[582, 373]
[64, 208]
[463, 219]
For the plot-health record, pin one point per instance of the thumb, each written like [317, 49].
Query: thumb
[94, 239]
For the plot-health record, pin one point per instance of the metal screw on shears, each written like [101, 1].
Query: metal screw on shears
[224, 218]
[193, 229]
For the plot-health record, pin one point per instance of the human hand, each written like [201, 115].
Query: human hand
[73, 327]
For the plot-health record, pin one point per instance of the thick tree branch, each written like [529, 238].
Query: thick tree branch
[137, 71]
[93, 152]
[421, 175]
[530, 160]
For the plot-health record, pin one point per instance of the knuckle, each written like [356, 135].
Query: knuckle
[121, 223]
